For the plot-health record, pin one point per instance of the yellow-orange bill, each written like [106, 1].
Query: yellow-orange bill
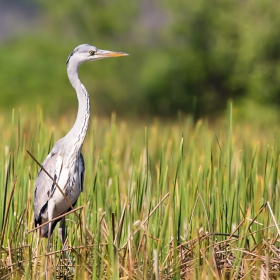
[103, 53]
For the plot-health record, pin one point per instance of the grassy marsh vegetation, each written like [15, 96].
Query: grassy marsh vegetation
[180, 200]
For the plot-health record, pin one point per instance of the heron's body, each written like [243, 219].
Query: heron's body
[71, 178]
[65, 162]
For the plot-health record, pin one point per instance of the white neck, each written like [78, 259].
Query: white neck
[76, 136]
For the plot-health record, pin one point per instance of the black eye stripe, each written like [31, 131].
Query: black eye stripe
[69, 57]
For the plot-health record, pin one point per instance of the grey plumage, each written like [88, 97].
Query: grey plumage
[65, 162]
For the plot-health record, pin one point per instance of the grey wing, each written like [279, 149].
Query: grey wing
[81, 171]
[44, 186]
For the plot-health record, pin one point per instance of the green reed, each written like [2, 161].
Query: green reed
[150, 190]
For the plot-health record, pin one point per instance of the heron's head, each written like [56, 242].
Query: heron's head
[87, 52]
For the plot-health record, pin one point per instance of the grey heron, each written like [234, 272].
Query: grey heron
[65, 162]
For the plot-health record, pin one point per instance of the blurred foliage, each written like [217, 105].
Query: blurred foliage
[190, 56]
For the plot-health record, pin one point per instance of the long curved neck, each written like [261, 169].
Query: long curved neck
[76, 136]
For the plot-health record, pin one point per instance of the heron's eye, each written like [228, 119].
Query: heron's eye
[91, 52]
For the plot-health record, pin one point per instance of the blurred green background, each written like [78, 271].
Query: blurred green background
[187, 56]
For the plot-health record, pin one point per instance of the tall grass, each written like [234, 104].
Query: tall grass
[180, 200]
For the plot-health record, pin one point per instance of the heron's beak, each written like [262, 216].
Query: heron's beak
[105, 54]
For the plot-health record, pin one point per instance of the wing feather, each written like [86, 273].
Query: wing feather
[81, 171]
[44, 186]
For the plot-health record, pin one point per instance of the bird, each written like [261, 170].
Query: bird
[65, 163]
